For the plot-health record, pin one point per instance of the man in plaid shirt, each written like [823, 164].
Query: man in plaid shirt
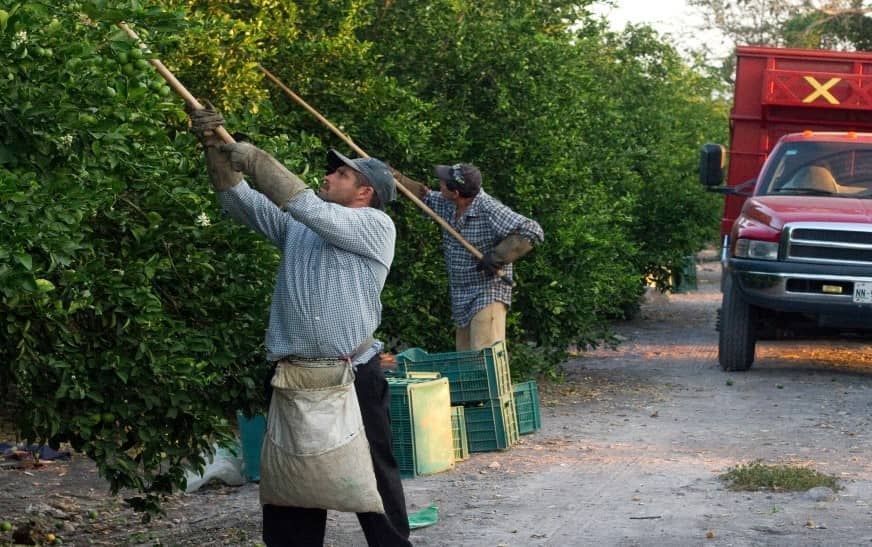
[479, 297]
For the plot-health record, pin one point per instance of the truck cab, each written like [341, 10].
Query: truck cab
[797, 225]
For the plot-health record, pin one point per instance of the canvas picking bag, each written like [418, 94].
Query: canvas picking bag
[315, 452]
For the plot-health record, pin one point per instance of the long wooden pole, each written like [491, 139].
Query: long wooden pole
[173, 82]
[408, 193]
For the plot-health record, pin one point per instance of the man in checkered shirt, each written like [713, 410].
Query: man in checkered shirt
[479, 297]
[336, 250]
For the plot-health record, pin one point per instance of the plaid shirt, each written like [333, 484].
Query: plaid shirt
[484, 224]
[334, 262]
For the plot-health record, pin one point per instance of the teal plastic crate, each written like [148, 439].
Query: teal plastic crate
[527, 407]
[251, 433]
[458, 432]
[491, 425]
[423, 442]
[473, 376]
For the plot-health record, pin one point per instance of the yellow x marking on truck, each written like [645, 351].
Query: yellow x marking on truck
[821, 90]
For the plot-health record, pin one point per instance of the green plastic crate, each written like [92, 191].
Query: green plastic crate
[491, 425]
[473, 376]
[527, 407]
[423, 442]
[458, 431]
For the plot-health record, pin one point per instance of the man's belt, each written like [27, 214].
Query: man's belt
[358, 351]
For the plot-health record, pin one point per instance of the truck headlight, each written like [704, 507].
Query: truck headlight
[758, 250]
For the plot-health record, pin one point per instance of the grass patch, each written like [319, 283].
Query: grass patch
[757, 476]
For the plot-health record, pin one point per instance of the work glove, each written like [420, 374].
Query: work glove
[412, 186]
[513, 247]
[221, 173]
[265, 173]
[203, 124]
[489, 265]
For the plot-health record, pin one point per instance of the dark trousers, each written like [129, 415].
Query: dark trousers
[302, 527]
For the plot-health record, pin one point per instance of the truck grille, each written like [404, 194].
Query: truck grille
[829, 243]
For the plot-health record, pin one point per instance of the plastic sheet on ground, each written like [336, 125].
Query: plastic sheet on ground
[224, 466]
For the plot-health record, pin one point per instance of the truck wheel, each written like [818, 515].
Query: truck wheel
[737, 339]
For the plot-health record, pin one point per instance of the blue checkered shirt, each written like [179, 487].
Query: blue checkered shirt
[484, 224]
[334, 262]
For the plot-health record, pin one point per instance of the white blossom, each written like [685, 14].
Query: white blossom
[203, 220]
[19, 39]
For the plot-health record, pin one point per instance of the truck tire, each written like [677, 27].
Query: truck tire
[737, 339]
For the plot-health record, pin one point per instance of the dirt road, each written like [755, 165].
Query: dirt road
[629, 454]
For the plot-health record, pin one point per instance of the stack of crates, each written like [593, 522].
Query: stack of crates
[421, 427]
[527, 407]
[480, 381]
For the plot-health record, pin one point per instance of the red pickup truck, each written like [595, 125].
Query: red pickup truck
[797, 223]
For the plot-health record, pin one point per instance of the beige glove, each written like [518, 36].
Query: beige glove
[513, 247]
[412, 186]
[265, 173]
[204, 122]
[221, 173]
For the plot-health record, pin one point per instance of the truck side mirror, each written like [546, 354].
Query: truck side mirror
[711, 165]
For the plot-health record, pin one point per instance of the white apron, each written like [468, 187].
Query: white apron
[315, 452]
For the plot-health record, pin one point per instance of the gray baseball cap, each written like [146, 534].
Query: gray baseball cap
[375, 171]
[461, 177]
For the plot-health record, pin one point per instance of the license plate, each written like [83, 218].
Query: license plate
[863, 293]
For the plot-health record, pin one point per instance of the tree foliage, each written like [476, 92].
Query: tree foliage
[831, 24]
[133, 312]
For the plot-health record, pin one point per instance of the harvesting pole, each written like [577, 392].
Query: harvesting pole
[405, 191]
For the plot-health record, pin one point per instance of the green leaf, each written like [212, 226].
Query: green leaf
[122, 374]
[25, 260]
[44, 285]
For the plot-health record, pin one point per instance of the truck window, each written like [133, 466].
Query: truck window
[842, 169]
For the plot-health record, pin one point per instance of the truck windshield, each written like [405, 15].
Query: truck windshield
[841, 169]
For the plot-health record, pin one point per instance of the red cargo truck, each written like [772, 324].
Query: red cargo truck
[797, 223]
